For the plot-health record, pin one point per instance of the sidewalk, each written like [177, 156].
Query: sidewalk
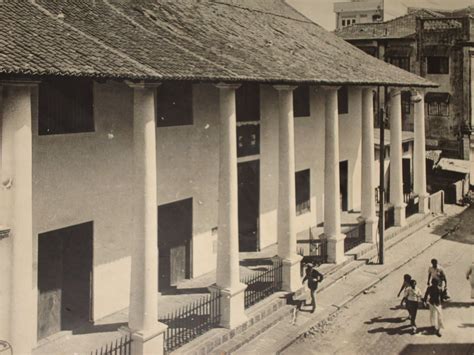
[338, 294]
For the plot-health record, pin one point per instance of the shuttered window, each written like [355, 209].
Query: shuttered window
[302, 185]
[301, 107]
[65, 106]
[247, 100]
[174, 104]
[437, 65]
[343, 100]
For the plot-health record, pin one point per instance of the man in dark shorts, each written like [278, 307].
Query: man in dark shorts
[314, 277]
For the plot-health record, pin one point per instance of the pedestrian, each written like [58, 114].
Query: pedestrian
[435, 271]
[470, 275]
[405, 284]
[412, 296]
[433, 296]
[314, 277]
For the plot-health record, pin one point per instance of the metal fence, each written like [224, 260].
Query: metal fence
[120, 346]
[190, 321]
[354, 237]
[263, 284]
[436, 202]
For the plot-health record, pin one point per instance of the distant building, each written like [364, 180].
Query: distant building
[358, 11]
[437, 45]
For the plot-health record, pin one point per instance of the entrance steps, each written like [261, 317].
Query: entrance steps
[274, 310]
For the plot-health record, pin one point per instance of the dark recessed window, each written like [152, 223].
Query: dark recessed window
[301, 106]
[401, 62]
[174, 104]
[406, 147]
[437, 65]
[248, 139]
[406, 102]
[247, 101]
[438, 103]
[302, 185]
[65, 106]
[343, 100]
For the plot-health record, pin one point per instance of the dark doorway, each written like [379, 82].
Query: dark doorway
[249, 173]
[406, 176]
[175, 230]
[64, 278]
[344, 190]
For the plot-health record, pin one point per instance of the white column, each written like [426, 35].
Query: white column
[368, 166]
[332, 204]
[420, 153]
[396, 167]
[147, 332]
[227, 273]
[17, 173]
[286, 191]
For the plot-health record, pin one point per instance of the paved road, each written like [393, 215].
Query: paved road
[374, 324]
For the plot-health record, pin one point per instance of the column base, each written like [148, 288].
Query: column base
[291, 273]
[371, 225]
[400, 216]
[423, 203]
[147, 342]
[232, 305]
[336, 249]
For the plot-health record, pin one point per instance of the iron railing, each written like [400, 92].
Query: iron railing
[120, 346]
[263, 284]
[190, 321]
[316, 251]
[354, 237]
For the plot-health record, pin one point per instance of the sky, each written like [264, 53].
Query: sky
[321, 11]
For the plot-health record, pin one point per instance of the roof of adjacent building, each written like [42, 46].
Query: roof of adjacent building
[407, 136]
[202, 40]
[399, 27]
[455, 165]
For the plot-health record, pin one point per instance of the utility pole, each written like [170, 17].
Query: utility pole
[381, 114]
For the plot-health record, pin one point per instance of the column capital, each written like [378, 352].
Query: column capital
[285, 87]
[367, 87]
[417, 97]
[229, 86]
[329, 87]
[395, 91]
[142, 84]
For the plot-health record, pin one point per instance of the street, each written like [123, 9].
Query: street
[374, 323]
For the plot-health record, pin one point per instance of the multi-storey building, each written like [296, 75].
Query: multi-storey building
[437, 45]
[358, 11]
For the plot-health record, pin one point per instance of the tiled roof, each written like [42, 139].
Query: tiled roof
[407, 136]
[210, 40]
[400, 27]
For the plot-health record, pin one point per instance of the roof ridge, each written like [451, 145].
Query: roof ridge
[163, 38]
[142, 66]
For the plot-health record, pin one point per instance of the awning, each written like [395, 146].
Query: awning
[437, 97]
[436, 51]
[404, 51]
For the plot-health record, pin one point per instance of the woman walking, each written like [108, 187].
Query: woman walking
[405, 284]
[412, 296]
[434, 296]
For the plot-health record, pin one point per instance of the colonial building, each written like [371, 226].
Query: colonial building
[358, 11]
[437, 45]
[148, 142]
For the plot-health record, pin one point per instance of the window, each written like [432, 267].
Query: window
[406, 147]
[343, 23]
[247, 100]
[248, 139]
[406, 102]
[437, 65]
[302, 185]
[401, 62]
[65, 106]
[174, 104]
[301, 106]
[343, 100]
[438, 103]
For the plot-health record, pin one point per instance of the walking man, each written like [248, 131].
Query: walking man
[412, 296]
[314, 277]
[434, 297]
[435, 271]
